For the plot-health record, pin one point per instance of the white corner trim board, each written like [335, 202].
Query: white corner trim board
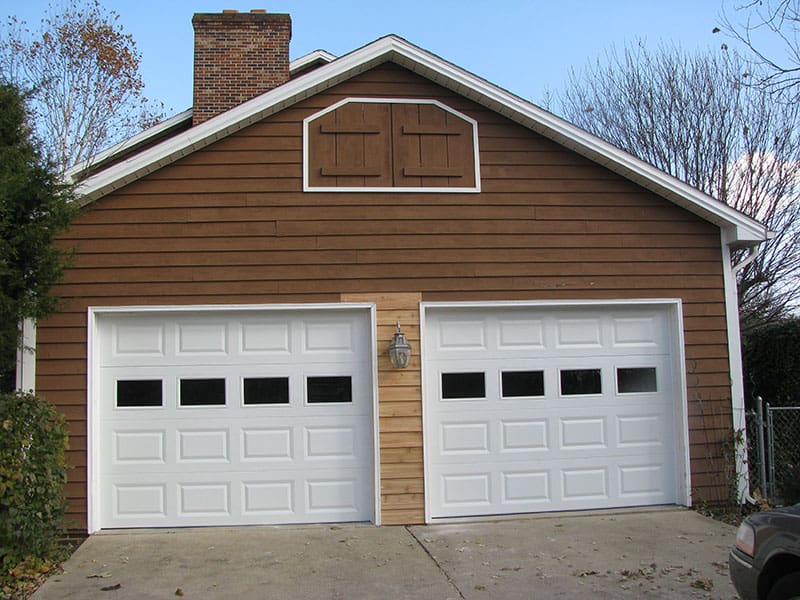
[26, 357]
[736, 367]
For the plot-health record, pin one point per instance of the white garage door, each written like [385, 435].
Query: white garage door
[234, 417]
[550, 408]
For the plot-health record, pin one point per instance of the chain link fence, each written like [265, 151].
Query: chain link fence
[773, 439]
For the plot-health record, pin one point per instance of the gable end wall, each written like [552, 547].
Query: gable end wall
[231, 225]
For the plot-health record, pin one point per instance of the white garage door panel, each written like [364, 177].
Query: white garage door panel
[533, 487]
[292, 461]
[551, 450]
[240, 498]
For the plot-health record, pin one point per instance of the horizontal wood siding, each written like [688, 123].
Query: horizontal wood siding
[230, 224]
[400, 410]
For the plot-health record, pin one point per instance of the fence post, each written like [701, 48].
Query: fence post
[762, 459]
[771, 451]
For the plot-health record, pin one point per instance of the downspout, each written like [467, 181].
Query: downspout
[750, 257]
[730, 272]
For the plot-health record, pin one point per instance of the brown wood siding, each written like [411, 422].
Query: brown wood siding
[230, 224]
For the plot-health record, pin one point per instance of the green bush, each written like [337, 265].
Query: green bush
[33, 440]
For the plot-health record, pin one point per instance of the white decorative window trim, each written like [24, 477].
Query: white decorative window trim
[307, 187]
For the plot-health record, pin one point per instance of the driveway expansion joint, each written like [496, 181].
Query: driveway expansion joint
[436, 562]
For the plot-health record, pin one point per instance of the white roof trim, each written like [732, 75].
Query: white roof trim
[299, 63]
[74, 171]
[740, 228]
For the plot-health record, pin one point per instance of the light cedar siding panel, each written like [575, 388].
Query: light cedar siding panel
[220, 227]
[399, 409]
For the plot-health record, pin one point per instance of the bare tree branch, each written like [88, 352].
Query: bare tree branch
[83, 71]
[692, 116]
[769, 29]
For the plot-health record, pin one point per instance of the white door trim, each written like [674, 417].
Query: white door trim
[674, 308]
[93, 383]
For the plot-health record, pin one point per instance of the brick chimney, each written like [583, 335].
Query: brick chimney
[237, 56]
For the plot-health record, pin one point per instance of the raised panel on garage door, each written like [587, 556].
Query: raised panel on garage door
[235, 417]
[538, 408]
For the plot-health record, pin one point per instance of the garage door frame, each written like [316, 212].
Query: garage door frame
[673, 308]
[93, 353]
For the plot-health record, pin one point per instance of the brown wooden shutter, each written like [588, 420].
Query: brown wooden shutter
[351, 147]
[432, 147]
[390, 145]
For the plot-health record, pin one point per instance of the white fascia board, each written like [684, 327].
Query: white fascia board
[74, 171]
[743, 228]
[224, 124]
[175, 120]
[299, 63]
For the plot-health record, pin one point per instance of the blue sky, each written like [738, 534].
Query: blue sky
[526, 47]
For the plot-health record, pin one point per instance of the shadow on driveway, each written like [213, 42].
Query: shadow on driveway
[661, 553]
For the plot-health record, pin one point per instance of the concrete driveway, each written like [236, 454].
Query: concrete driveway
[666, 553]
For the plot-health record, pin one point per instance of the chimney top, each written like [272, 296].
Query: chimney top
[237, 56]
[233, 11]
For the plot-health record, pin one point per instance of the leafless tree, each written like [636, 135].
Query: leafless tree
[83, 74]
[770, 29]
[691, 116]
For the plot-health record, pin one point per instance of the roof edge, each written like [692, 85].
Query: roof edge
[746, 229]
[74, 172]
[307, 59]
[741, 228]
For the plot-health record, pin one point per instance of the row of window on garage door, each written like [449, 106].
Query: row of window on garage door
[260, 391]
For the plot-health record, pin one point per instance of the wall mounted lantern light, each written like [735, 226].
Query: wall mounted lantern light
[399, 349]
